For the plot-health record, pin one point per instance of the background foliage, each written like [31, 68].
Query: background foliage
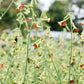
[56, 13]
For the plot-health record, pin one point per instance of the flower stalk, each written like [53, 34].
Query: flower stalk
[71, 51]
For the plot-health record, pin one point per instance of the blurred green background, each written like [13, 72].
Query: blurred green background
[56, 12]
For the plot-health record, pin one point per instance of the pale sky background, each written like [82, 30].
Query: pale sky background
[46, 4]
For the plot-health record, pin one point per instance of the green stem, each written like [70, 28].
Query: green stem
[45, 64]
[28, 43]
[54, 66]
[56, 70]
[35, 74]
[7, 8]
[68, 15]
[71, 53]
[49, 75]
[8, 70]
[27, 57]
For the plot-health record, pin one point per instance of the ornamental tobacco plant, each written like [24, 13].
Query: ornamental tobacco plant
[40, 59]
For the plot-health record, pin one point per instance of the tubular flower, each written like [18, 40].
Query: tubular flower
[1, 65]
[71, 81]
[27, 18]
[75, 30]
[35, 26]
[62, 23]
[35, 46]
[22, 6]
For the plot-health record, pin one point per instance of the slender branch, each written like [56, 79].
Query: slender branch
[28, 42]
[7, 9]
[71, 52]
[5, 79]
[58, 76]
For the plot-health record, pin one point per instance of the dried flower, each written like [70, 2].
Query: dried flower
[82, 65]
[73, 56]
[40, 79]
[71, 81]
[50, 37]
[31, 60]
[37, 67]
[30, 6]
[18, 10]
[63, 66]
[73, 63]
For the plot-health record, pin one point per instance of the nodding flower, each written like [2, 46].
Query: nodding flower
[71, 81]
[1, 65]
[35, 46]
[27, 18]
[73, 63]
[35, 26]
[22, 6]
[62, 23]
[75, 30]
